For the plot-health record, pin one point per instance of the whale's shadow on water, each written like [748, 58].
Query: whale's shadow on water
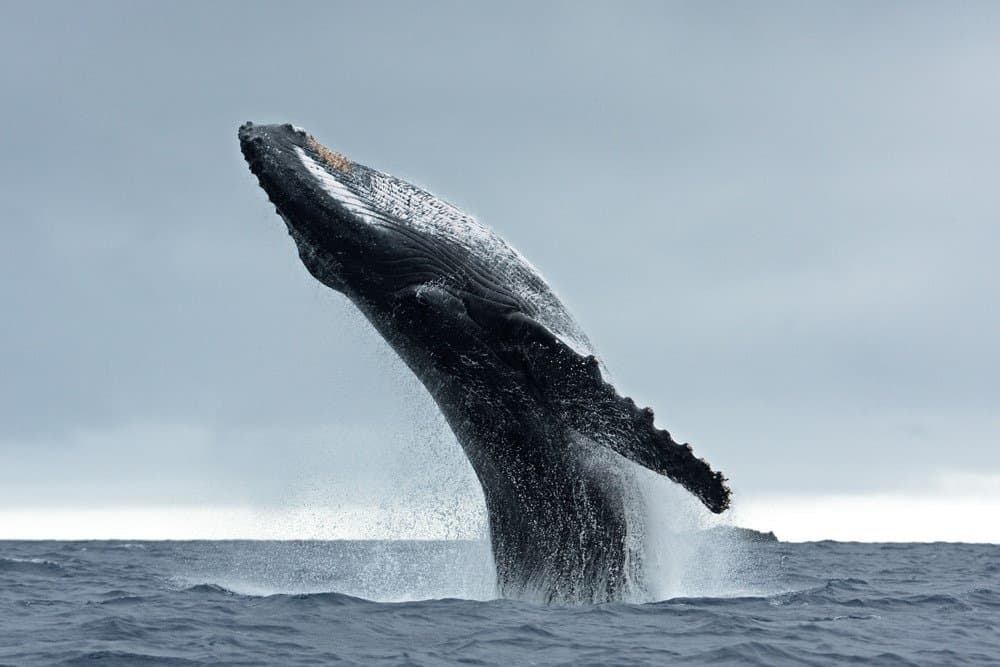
[557, 450]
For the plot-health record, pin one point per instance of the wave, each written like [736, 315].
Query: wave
[124, 600]
[324, 598]
[125, 546]
[210, 589]
[858, 593]
[39, 566]
[315, 600]
[126, 659]
[212, 603]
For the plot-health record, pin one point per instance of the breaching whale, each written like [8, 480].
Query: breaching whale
[513, 374]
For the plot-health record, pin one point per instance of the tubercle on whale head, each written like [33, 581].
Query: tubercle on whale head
[275, 155]
[257, 134]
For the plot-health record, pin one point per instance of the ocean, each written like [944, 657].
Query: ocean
[431, 603]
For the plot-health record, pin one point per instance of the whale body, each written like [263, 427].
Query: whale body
[514, 375]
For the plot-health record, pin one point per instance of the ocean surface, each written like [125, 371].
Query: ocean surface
[430, 603]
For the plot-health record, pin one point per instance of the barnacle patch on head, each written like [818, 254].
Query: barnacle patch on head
[332, 159]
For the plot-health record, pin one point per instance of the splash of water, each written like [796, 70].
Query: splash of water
[687, 551]
[433, 493]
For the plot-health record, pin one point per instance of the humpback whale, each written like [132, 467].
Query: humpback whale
[515, 377]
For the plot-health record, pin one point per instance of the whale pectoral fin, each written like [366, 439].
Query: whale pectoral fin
[573, 385]
[618, 423]
[640, 441]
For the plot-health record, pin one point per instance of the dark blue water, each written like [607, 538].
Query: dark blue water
[290, 603]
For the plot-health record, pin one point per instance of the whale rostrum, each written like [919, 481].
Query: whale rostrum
[513, 374]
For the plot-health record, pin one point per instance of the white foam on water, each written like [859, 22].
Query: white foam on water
[381, 571]
[683, 556]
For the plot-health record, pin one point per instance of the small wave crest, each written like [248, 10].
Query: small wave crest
[39, 566]
[126, 658]
[210, 589]
[322, 598]
[315, 600]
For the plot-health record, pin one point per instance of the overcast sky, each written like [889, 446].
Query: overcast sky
[779, 224]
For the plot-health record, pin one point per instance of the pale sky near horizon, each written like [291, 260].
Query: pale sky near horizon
[778, 223]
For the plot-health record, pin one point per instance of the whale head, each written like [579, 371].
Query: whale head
[325, 200]
[367, 233]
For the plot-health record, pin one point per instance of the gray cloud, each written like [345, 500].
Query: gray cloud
[778, 223]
